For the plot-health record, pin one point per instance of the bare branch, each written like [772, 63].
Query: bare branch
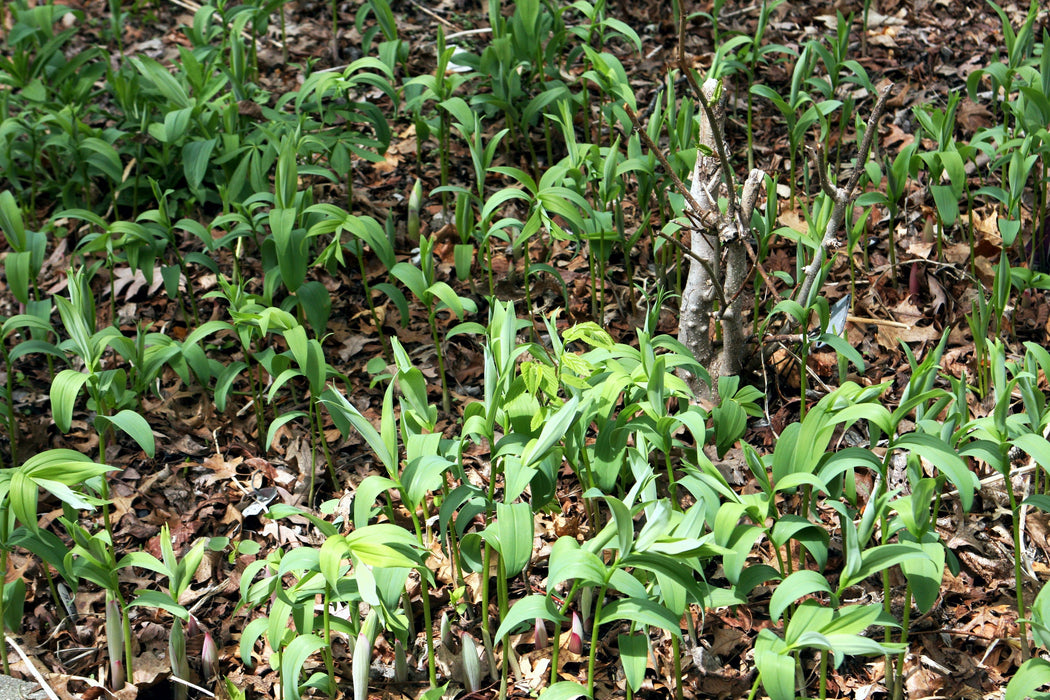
[842, 196]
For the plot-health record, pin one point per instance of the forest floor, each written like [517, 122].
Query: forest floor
[209, 469]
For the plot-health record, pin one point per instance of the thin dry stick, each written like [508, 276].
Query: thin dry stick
[878, 322]
[435, 15]
[680, 186]
[655, 150]
[842, 196]
[716, 129]
[32, 668]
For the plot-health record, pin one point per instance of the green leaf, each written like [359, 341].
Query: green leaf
[634, 655]
[553, 431]
[1040, 501]
[156, 599]
[569, 561]
[946, 459]
[1036, 446]
[162, 80]
[925, 574]
[876, 559]
[11, 221]
[195, 157]
[14, 604]
[527, 610]
[513, 529]
[65, 388]
[1032, 675]
[341, 405]
[316, 303]
[947, 203]
[292, 660]
[642, 612]
[793, 588]
[776, 669]
[145, 560]
[451, 300]
[271, 432]
[252, 631]
[19, 270]
[55, 471]
[564, 690]
[135, 426]
[330, 559]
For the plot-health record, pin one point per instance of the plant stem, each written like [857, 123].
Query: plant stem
[3, 585]
[428, 620]
[446, 403]
[592, 652]
[1022, 626]
[676, 652]
[898, 682]
[327, 650]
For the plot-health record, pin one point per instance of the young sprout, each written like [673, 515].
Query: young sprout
[359, 667]
[539, 637]
[471, 664]
[576, 635]
[400, 662]
[446, 630]
[209, 657]
[115, 642]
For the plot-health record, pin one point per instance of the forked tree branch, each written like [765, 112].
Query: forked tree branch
[842, 196]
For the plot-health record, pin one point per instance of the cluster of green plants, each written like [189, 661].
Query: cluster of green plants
[169, 172]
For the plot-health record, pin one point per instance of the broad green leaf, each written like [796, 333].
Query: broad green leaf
[195, 160]
[793, 588]
[65, 388]
[162, 80]
[252, 631]
[292, 660]
[925, 574]
[859, 645]
[527, 610]
[330, 559]
[365, 497]
[569, 561]
[135, 426]
[634, 655]
[776, 669]
[946, 459]
[19, 269]
[144, 560]
[1035, 445]
[642, 612]
[156, 599]
[423, 476]
[513, 529]
[11, 221]
[564, 690]
[1033, 675]
[271, 432]
[54, 470]
[14, 593]
[340, 404]
[1040, 501]
[876, 559]
[622, 520]
[553, 431]
[947, 202]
